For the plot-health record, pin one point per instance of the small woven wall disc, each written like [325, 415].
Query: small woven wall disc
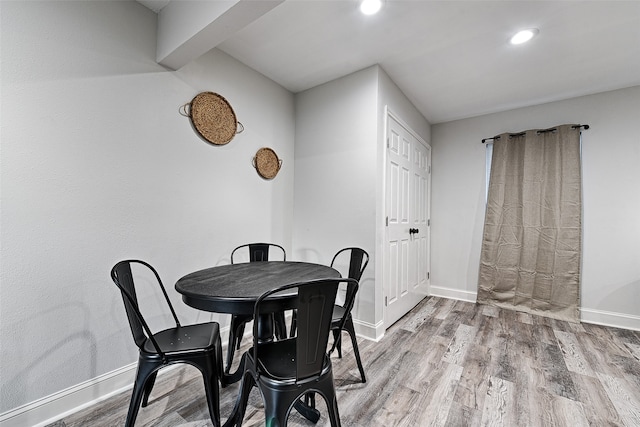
[267, 163]
[213, 118]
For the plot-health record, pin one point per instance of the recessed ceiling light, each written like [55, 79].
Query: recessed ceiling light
[370, 7]
[524, 36]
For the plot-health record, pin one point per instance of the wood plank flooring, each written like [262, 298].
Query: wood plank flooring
[447, 363]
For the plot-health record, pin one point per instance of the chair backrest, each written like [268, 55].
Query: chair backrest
[358, 260]
[314, 307]
[122, 276]
[259, 251]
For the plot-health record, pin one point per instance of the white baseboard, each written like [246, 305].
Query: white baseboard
[370, 331]
[58, 405]
[587, 315]
[607, 318]
[456, 294]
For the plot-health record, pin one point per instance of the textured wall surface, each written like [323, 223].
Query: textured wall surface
[98, 165]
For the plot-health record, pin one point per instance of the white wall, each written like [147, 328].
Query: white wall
[611, 199]
[340, 144]
[98, 165]
[335, 174]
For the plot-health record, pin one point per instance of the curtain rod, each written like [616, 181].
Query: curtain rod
[540, 131]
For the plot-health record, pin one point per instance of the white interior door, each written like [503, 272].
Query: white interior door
[407, 239]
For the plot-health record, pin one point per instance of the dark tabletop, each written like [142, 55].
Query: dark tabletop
[234, 288]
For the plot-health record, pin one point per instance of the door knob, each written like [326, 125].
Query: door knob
[414, 231]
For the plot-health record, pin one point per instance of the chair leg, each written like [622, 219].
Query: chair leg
[218, 361]
[145, 370]
[276, 409]
[239, 336]
[243, 398]
[236, 331]
[332, 408]
[151, 380]
[307, 408]
[210, 378]
[294, 324]
[354, 342]
[337, 338]
[231, 348]
[310, 400]
[280, 325]
[327, 390]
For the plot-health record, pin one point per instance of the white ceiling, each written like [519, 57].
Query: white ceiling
[451, 58]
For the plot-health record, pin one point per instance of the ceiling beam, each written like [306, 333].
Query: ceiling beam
[188, 29]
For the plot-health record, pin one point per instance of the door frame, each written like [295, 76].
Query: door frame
[382, 264]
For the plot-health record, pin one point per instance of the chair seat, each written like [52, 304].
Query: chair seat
[278, 360]
[197, 337]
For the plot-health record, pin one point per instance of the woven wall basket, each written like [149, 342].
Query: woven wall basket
[213, 118]
[267, 163]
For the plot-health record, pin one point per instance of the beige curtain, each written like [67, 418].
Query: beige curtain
[531, 247]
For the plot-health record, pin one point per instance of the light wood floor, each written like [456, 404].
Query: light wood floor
[447, 363]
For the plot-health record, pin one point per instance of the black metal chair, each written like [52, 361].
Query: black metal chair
[198, 345]
[256, 252]
[357, 261]
[285, 370]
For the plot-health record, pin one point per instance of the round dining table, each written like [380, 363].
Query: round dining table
[235, 288]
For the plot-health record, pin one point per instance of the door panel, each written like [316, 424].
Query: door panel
[407, 204]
